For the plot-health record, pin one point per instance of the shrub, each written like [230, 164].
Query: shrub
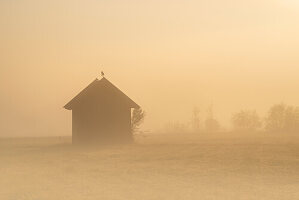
[137, 119]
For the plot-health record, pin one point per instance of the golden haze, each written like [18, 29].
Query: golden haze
[169, 56]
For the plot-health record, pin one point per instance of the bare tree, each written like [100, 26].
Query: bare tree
[137, 119]
[246, 120]
[211, 124]
[195, 119]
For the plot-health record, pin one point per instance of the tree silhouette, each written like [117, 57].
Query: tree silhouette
[282, 118]
[211, 124]
[137, 119]
[195, 119]
[246, 120]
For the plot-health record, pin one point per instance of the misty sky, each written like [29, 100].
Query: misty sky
[168, 56]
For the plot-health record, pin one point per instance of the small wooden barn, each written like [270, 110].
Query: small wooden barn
[101, 113]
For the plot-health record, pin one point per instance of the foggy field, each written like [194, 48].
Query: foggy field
[158, 167]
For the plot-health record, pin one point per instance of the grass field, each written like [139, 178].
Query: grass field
[157, 167]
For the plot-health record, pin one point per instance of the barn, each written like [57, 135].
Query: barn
[101, 114]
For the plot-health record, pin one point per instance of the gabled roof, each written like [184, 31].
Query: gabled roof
[100, 87]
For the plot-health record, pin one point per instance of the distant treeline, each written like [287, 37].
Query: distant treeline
[280, 118]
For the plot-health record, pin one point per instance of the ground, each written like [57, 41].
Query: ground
[157, 167]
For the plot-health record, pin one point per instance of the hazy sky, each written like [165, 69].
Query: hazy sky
[168, 56]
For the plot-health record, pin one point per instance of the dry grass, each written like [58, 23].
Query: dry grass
[159, 167]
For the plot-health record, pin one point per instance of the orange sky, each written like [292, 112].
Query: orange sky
[168, 56]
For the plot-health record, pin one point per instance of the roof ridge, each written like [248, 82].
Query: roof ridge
[96, 83]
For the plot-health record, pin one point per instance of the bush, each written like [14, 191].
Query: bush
[176, 127]
[212, 125]
[137, 119]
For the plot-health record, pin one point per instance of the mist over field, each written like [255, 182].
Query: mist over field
[161, 167]
[149, 99]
